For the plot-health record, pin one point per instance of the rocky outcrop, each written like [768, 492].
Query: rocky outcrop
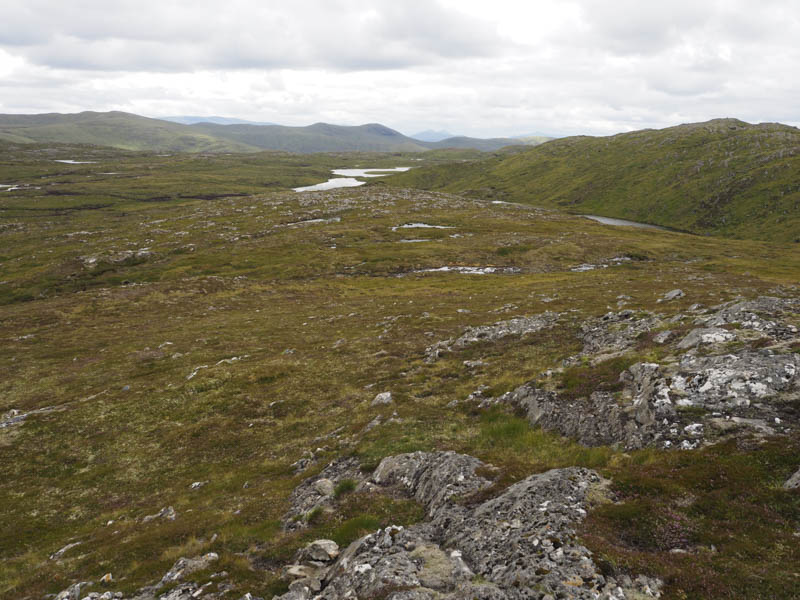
[616, 332]
[214, 589]
[317, 492]
[675, 405]
[517, 326]
[599, 420]
[766, 315]
[520, 544]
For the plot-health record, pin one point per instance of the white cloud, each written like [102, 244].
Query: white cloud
[500, 68]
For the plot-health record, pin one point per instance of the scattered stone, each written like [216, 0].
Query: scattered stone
[474, 364]
[663, 337]
[324, 487]
[372, 424]
[167, 513]
[616, 332]
[310, 494]
[706, 335]
[382, 399]
[673, 295]
[198, 484]
[320, 551]
[17, 417]
[187, 566]
[64, 550]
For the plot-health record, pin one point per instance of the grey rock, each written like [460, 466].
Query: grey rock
[17, 417]
[319, 550]
[324, 487]
[73, 592]
[734, 379]
[793, 482]
[432, 479]
[518, 545]
[381, 399]
[517, 326]
[674, 295]
[706, 335]
[598, 420]
[616, 332]
[167, 513]
[64, 550]
[766, 315]
[310, 494]
[663, 337]
[186, 566]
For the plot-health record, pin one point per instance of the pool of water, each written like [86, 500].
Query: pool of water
[624, 223]
[347, 178]
[336, 182]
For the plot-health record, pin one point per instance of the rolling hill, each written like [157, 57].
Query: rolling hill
[133, 132]
[116, 129]
[723, 177]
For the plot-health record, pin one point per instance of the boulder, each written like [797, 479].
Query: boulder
[382, 399]
[673, 295]
[706, 335]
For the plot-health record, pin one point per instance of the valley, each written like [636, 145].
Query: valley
[211, 385]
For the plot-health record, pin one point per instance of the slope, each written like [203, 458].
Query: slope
[116, 129]
[320, 137]
[722, 177]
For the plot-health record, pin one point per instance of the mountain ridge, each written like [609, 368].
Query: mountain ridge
[133, 132]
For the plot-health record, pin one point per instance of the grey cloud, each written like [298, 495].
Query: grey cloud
[182, 35]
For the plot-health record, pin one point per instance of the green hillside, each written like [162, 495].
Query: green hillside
[132, 132]
[116, 129]
[722, 177]
[320, 137]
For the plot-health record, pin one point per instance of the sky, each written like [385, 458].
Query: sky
[470, 67]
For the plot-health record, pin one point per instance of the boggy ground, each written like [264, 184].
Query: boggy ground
[220, 340]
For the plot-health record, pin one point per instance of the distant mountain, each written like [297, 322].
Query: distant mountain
[429, 135]
[133, 132]
[485, 145]
[723, 177]
[320, 137]
[117, 129]
[189, 120]
[533, 140]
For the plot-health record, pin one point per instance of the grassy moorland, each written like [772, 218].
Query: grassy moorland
[189, 319]
[724, 177]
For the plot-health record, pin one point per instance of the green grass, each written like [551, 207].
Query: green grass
[724, 505]
[317, 331]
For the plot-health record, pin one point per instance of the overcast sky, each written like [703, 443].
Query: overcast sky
[472, 67]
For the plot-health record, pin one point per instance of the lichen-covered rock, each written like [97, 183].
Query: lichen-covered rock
[517, 545]
[598, 420]
[187, 566]
[517, 326]
[318, 491]
[706, 335]
[431, 478]
[767, 315]
[734, 379]
[616, 332]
